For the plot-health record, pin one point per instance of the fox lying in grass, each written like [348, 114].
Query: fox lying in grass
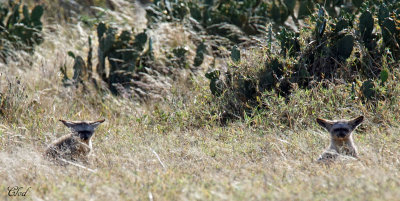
[341, 138]
[75, 146]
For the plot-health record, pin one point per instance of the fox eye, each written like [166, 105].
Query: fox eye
[337, 130]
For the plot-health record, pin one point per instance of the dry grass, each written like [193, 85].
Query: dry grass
[176, 150]
[231, 163]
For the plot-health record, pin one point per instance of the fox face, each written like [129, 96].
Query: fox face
[83, 129]
[340, 129]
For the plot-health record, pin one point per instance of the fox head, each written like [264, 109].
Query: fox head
[340, 129]
[84, 129]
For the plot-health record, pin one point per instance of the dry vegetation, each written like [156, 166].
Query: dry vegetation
[176, 149]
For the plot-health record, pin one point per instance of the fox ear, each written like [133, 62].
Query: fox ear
[67, 123]
[96, 123]
[324, 123]
[356, 121]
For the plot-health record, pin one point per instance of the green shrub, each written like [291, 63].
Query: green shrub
[336, 48]
[20, 28]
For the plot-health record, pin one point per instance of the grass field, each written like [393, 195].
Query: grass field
[176, 149]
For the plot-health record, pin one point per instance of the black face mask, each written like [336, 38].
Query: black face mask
[85, 135]
[341, 132]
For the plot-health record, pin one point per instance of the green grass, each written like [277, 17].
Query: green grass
[269, 155]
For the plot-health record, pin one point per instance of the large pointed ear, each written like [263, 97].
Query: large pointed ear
[356, 121]
[97, 123]
[325, 123]
[67, 123]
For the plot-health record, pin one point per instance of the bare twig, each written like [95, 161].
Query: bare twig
[77, 165]
[158, 158]
[150, 196]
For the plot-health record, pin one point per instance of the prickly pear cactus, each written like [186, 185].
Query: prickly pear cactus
[216, 85]
[36, 14]
[279, 13]
[368, 90]
[122, 50]
[289, 42]
[321, 24]
[357, 3]
[80, 70]
[340, 25]
[198, 59]
[270, 76]
[290, 4]
[22, 29]
[383, 13]
[180, 56]
[384, 76]
[366, 25]
[235, 54]
[305, 9]
[389, 31]
[276, 67]
[345, 46]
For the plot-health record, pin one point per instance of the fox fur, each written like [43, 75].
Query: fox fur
[342, 143]
[75, 146]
